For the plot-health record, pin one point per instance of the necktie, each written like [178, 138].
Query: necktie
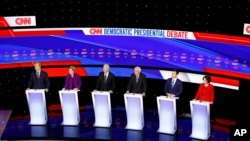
[172, 83]
[37, 74]
[105, 78]
[137, 79]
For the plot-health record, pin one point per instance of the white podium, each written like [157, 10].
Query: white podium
[135, 135]
[39, 131]
[37, 106]
[102, 108]
[70, 107]
[134, 111]
[71, 131]
[200, 112]
[103, 133]
[167, 114]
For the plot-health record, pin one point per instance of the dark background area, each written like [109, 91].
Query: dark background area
[222, 17]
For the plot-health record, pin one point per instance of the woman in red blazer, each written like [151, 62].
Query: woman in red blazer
[205, 91]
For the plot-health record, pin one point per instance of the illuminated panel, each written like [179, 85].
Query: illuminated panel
[165, 49]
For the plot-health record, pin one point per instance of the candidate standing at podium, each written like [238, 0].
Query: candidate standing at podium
[106, 80]
[173, 88]
[137, 82]
[205, 93]
[72, 80]
[39, 78]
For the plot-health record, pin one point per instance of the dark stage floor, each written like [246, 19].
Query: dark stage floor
[18, 128]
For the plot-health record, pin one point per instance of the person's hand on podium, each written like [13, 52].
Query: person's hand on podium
[127, 92]
[143, 94]
[202, 101]
[169, 95]
[76, 89]
[110, 91]
[63, 89]
[46, 90]
[94, 90]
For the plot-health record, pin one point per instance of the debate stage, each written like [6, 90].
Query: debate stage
[18, 128]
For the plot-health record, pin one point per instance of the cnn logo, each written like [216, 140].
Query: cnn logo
[21, 21]
[95, 31]
[246, 29]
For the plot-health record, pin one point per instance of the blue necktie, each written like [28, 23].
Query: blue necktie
[172, 83]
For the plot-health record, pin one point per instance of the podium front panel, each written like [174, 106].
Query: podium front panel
[134, 111]
[167, 137]
[71, 131]
[102, 109]
[70, 107]
[167, 115]
[39, 131]
[103, 133]
[37, 107]
[135, 135]
[200, 120]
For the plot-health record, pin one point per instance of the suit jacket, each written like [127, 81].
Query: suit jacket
[72, 82]
[39, 83]
[140, 86]
[176, 89]
[205, 93]
[110, 82]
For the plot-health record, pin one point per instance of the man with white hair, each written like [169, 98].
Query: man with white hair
[137, 82]
[106, 80]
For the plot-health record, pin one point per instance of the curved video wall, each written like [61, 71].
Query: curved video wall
[156, 51]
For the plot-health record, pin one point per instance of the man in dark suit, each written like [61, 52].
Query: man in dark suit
[39, 79]
[137, 82]
[173, 88]
[106, 80]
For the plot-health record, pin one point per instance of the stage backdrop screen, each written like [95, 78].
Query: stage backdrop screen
[153, 49]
